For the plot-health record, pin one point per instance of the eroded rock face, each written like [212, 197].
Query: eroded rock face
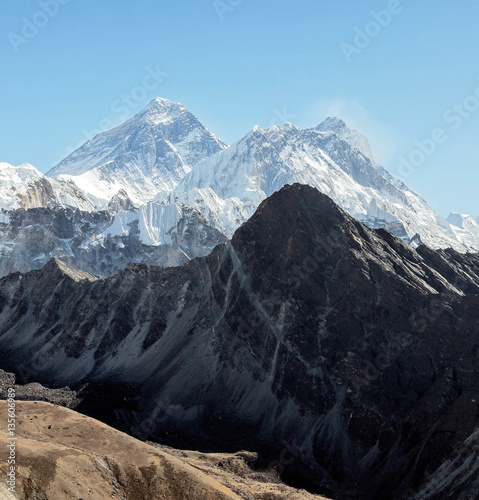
[308, 328]
[30, 238]
[40, 194]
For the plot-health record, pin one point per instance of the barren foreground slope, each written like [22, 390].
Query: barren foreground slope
[63, 455]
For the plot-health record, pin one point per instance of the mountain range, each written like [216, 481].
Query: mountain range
[307, 328]
[136, 184]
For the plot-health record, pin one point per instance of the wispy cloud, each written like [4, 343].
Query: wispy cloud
[384, 141]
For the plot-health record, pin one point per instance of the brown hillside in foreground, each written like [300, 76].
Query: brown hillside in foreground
[63, 455]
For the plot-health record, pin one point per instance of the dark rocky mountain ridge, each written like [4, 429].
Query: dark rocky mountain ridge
[308, 328]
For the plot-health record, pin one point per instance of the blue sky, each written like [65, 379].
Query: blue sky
[409, 80]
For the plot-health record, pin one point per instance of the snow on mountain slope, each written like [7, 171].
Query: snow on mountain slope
[466, 227]
[155, 224]
[338, 127]
[266, 159]
[356, 139]
[164, 154]
[150, 152]
[226, 215]
[67, 194]
[26, 187]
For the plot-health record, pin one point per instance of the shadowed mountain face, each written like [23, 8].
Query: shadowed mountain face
[107, 241]
[308, 328]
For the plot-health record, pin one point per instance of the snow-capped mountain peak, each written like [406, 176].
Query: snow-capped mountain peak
[17, 182]
[161, 110]
[330, 157]
[148, 153]
[164, 154]
[355, 138]
[464, 221]
[333, 123]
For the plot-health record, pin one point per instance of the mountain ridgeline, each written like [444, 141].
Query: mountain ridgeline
[163, 171]
[308, 330]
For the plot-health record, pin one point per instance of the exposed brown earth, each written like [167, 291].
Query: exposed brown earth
[63, 455]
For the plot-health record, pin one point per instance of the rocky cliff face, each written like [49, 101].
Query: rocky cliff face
[308, 328]
[104, 242]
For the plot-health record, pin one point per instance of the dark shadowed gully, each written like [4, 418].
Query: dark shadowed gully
[307, 332]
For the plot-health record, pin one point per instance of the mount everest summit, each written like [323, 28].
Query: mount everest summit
[161, 189]
[149, 153]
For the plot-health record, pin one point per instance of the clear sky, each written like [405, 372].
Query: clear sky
[396, 70]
